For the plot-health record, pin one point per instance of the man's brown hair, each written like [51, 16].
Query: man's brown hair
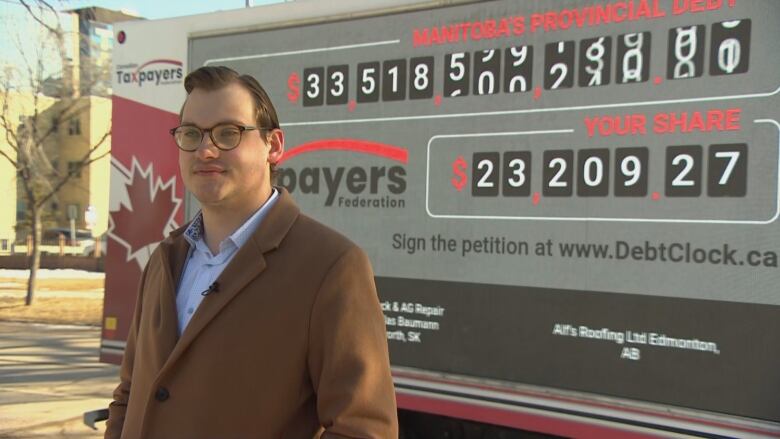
[216, 77]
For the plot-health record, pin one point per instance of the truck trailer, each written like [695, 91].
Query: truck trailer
[570, 206]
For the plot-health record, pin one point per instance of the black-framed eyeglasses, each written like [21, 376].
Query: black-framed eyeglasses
[225, 136]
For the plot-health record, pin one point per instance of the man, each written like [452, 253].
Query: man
[253, 321]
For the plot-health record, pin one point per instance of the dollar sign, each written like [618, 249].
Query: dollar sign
[293, 83]
[459, 169]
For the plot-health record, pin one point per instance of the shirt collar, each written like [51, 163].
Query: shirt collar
[195, 232]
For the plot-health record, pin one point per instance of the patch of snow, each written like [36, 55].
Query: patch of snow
[44, 273]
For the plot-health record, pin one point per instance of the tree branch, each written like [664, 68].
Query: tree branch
[38, 19]
[85, 160]
[9, 129]
[7, 157]
[10, 135]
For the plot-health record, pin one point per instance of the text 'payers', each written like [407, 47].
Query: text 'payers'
[348, 184]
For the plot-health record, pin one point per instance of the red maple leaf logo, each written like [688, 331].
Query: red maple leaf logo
[146, 216]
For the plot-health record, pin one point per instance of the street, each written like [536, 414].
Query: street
[50, 376]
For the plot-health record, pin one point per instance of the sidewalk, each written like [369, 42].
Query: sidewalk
[50, 376]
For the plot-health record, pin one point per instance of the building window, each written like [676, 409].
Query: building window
[3, 244]
[73, 212]
[20, 210]
[55, 124]
[74, 169]
[74, 126]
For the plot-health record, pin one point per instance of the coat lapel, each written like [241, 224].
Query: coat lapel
[173, 255]
[246, 265]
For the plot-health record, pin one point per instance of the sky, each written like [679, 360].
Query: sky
[151, 9]
[21, 31]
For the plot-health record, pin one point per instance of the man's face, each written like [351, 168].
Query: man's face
[237, 179]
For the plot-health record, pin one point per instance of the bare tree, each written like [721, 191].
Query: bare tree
[29, 138]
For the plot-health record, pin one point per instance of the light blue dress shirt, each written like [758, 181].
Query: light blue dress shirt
[202, 268]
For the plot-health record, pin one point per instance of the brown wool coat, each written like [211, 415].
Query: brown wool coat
[292, 345]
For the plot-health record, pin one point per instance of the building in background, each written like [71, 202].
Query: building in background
[84, 198]
[95, 42]
[87, 189]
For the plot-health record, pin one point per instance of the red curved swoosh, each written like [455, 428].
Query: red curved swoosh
[362, 146]
[161, 61]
